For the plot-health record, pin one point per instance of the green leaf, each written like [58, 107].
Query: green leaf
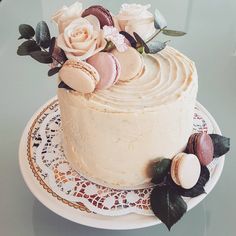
[141, 42]
[27, 47]
[64, 86]
[130, 38]
[43, 37]
[198, 189]
[221, 145]
[26, 31]
[53, 71]
[156, 46]
[167, 205]
[160, 170]
[159, 20]
[42, 57]
[173, 33]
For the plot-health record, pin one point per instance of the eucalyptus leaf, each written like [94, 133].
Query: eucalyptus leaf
[53, 71]
[42, 57]
[159, 20]
[167, 205]
[130, 38]
[160, 170]
[43, 37]
[26, 31]
[221, 145]
[141, 42]
[156, 46]
[198, 189]
[173, 33]
[52, 45]
[27, 47]
[64, 86]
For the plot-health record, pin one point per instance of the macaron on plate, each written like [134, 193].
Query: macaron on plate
[46, 123]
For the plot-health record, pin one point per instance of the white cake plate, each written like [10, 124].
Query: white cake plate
[81, 215]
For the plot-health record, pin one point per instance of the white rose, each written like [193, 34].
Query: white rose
[136, 18]
[66, 15]
[82, 38]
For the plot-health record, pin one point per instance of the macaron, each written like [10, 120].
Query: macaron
[131, 63]
[103, 15]
[108, 68]
[202, 146]
[79, 75]
[185, 170]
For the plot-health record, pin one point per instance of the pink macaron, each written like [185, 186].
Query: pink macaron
[108, 68]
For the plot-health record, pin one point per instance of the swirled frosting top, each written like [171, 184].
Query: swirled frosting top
[166, 77]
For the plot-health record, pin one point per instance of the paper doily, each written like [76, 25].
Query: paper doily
[49, 165]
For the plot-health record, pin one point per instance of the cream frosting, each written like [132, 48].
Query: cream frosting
[112, 135]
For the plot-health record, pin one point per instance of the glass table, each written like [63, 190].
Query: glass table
[210, 42]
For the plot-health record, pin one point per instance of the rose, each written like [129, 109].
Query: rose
[66, 15]
[136, 18]
[82, 38]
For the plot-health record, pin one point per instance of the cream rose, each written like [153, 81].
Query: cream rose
[136, 18]
[66, 15]
[82, 38]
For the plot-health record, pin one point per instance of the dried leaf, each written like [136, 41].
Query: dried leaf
[26, 31]
[173, 33]
[53, 71]
[42, 57]
[221, 145]
[28, 47]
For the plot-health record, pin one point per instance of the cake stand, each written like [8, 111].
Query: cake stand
[56, 185]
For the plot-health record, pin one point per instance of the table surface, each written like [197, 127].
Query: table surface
[210, 42]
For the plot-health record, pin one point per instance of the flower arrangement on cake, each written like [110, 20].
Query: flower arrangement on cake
[119, 89]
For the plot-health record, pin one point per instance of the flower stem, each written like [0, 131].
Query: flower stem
[154, 36]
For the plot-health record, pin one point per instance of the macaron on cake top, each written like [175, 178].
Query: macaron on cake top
[185, 170]
[101, 13]
[131, 63]
[202, 146]
[80, 76]
[108, 68]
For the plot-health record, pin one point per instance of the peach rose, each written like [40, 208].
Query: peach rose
[82, 38]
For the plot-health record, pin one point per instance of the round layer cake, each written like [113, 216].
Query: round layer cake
[112, 136]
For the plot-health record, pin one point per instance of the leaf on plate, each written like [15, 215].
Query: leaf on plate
[53, 71]
[167, 205]
[140, 42]
[156, 46]
[160, 170]
[26, 31]
[198, 189]
[43, 37]
[221, 145]
[28, 47]
[130, 38]
[173, 33]
[42, 57]
[64, 86]
[159, 20]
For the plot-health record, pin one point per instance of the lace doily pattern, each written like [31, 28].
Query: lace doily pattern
[52, 170]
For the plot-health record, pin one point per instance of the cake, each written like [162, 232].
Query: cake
[111, 136]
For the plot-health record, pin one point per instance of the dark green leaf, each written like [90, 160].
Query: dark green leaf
[141, 42]
[160, 170]
[42, 57]
[43, 37]
[198, 189]
[167, 205]
[159, 20]
[26, 31]
[64, 86]
[173, 33]
[52, 45]
[130, 38]
[53, 71]
[27, 47]
[221, 145]
[155, 46]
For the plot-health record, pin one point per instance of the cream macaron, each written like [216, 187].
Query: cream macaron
[185, 170]
[80, 76]
[131, 63]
